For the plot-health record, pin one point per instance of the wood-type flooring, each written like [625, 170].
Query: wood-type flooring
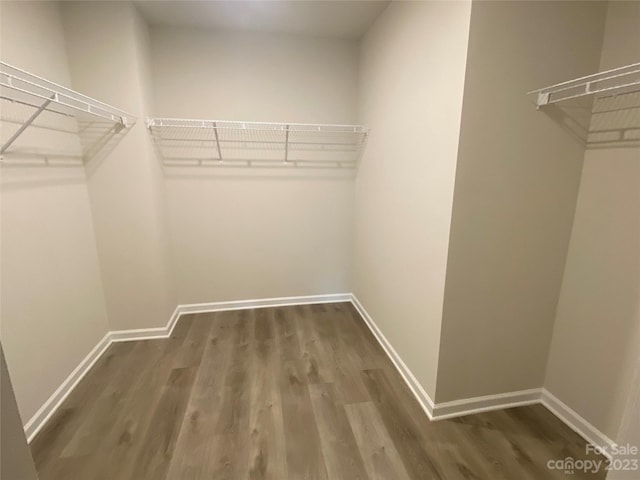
[283, 393]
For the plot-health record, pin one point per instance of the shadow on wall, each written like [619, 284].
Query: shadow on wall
[235, 172]
[193, 160]
[607, 122]
[615, 122]
[98, 139]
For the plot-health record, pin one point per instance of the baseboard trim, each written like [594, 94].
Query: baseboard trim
[147, 333]
[416, 388]
[175, 316]
[44, 413]
[437, 411]
[576, 422]
[469, 406]
[138, 334]
[262, 303]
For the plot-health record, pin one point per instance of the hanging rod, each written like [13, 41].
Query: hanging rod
[218, 142]
[624, 79]
[22, 87]
[266, 126]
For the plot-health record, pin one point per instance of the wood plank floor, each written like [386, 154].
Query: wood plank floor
[302, 392]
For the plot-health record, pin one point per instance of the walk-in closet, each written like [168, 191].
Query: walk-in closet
[331, 240]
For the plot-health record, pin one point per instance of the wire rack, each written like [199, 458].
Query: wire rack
[617, 81]
[230, 143]
[38, 95]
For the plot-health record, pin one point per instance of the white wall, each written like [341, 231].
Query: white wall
[629, 432]
[107, 44]
[252, 76]
[238, 234]
[168, 235]
[53, 309]
[516, 186]
[411, 83]
[15, 461]
[596, 339]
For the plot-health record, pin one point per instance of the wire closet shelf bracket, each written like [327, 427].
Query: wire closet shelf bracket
[256, 144]
[24, 88]
[611, 82]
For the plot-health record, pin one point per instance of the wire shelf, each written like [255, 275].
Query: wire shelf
[28, 90]
[611, 82]
[231, 143]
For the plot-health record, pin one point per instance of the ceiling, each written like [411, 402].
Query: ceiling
[337, 19]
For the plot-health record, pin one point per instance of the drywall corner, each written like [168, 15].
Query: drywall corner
[412, 68]
[15, 461]
[124, 178]
[596, 338]
[516, 185]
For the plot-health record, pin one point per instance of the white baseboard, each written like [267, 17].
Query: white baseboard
[439, 411]
[138, 334]
[165, 332]
[147, 333]
[444, 410]
[416, 388]
[469, 406]
[175, 316]
[44, 413]
[263, 303]
[42, 416]
[576, 422]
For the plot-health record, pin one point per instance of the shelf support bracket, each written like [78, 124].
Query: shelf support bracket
[26, 124]
[215, 131]
[543, 99]
[286, 145]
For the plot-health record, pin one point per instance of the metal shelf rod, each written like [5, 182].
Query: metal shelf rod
[588, 85]
[178, 122]
[24, 88]
[214, 161]
[109, 116]
[264, 142]
[631, 66]
[592, 92]
[55, 87]
[237, 142]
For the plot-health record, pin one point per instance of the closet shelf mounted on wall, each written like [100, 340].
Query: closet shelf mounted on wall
[24, 88]
[611, 82]
[257, 144]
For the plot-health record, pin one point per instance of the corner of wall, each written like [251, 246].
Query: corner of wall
[404, 189]
[515, 191]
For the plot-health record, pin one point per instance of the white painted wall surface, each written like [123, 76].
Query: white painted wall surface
[516, 186]
[107, 44]
[412, 68]
[596, 339]
[53, 310]
[239, 234]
